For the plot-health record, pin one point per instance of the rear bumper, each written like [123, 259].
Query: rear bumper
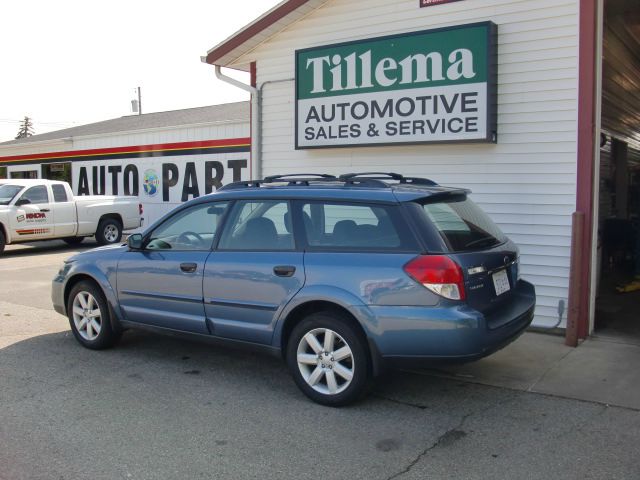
[424, 336]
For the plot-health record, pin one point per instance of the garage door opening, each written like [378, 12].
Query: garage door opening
[618, 256]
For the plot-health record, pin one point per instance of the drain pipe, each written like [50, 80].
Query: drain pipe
[256, 160]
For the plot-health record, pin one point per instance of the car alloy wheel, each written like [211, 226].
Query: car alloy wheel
[87, 317]
[328, 358]
[111, 233]
[90, 317]
[325, 361]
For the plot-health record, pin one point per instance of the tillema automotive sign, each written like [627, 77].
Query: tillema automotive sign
[420, 87]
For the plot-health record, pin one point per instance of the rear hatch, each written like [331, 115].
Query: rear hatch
[452, 224]
[490, 276]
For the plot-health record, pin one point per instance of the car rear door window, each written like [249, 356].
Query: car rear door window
[355, 226]
[59, 193]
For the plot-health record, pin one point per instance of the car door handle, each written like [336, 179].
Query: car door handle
[45, 210]
[284, 270]
[188, 267]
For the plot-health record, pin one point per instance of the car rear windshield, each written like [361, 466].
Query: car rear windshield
[462, 225]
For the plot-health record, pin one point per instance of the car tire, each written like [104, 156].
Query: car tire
[90, 317]
[109, 231]
[332, 371]
[3, 241]
[73, 240]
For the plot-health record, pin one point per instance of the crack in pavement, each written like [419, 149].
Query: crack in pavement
[447, 438]
[541, 377]
[399, 402]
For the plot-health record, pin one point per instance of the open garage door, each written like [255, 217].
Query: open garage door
[618, 257]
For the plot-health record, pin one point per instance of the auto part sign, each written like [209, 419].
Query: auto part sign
[421, 87]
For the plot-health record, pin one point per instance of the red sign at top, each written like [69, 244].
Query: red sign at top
[431, 3]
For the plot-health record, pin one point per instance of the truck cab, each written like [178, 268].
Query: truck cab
[32, 210]
[41, 210]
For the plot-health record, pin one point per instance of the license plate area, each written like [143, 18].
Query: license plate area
[501, 282]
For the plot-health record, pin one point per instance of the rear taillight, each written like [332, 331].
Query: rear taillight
[140, 209]
[438, 273]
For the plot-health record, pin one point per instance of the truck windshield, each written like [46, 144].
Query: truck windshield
[7, 192]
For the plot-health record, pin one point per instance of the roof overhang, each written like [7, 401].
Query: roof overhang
[258, 31]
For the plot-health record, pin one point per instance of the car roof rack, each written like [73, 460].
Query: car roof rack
[300, 178]
[362, 179]
[352, 178]
[292, 179]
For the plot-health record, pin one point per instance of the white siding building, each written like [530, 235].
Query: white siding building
[526, 181]
[566, 85]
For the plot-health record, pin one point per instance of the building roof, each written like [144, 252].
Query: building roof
[260, 30]
[228, 112]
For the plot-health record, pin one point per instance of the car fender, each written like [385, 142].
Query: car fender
[103, 280]
[330, 294]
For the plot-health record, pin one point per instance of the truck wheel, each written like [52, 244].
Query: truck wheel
[328, 359]
[73, 240]
[90, 317]
[109, 231]
[2, 241]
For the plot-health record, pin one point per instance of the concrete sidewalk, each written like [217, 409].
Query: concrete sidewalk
[601, 369]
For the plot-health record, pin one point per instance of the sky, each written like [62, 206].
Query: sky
[73, 62]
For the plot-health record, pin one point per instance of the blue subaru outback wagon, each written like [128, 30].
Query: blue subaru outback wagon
[341, 276]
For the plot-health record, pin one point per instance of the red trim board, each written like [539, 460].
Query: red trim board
[134, 150]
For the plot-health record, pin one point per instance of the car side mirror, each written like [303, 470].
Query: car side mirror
[134, 241]
[22, 201]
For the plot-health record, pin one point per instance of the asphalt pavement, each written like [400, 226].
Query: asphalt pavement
[161, 408]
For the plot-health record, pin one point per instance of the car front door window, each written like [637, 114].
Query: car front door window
[36, 195]
[193, 229]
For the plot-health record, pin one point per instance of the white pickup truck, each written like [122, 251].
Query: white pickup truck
[32, 210]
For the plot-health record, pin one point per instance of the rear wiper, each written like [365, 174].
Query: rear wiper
[480, 241]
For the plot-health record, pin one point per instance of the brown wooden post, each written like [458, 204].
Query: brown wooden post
[580, 277]
[578, 259]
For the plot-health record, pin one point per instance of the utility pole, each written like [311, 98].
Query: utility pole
[136, 105]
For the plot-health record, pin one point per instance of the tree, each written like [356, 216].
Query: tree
[26, 128]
